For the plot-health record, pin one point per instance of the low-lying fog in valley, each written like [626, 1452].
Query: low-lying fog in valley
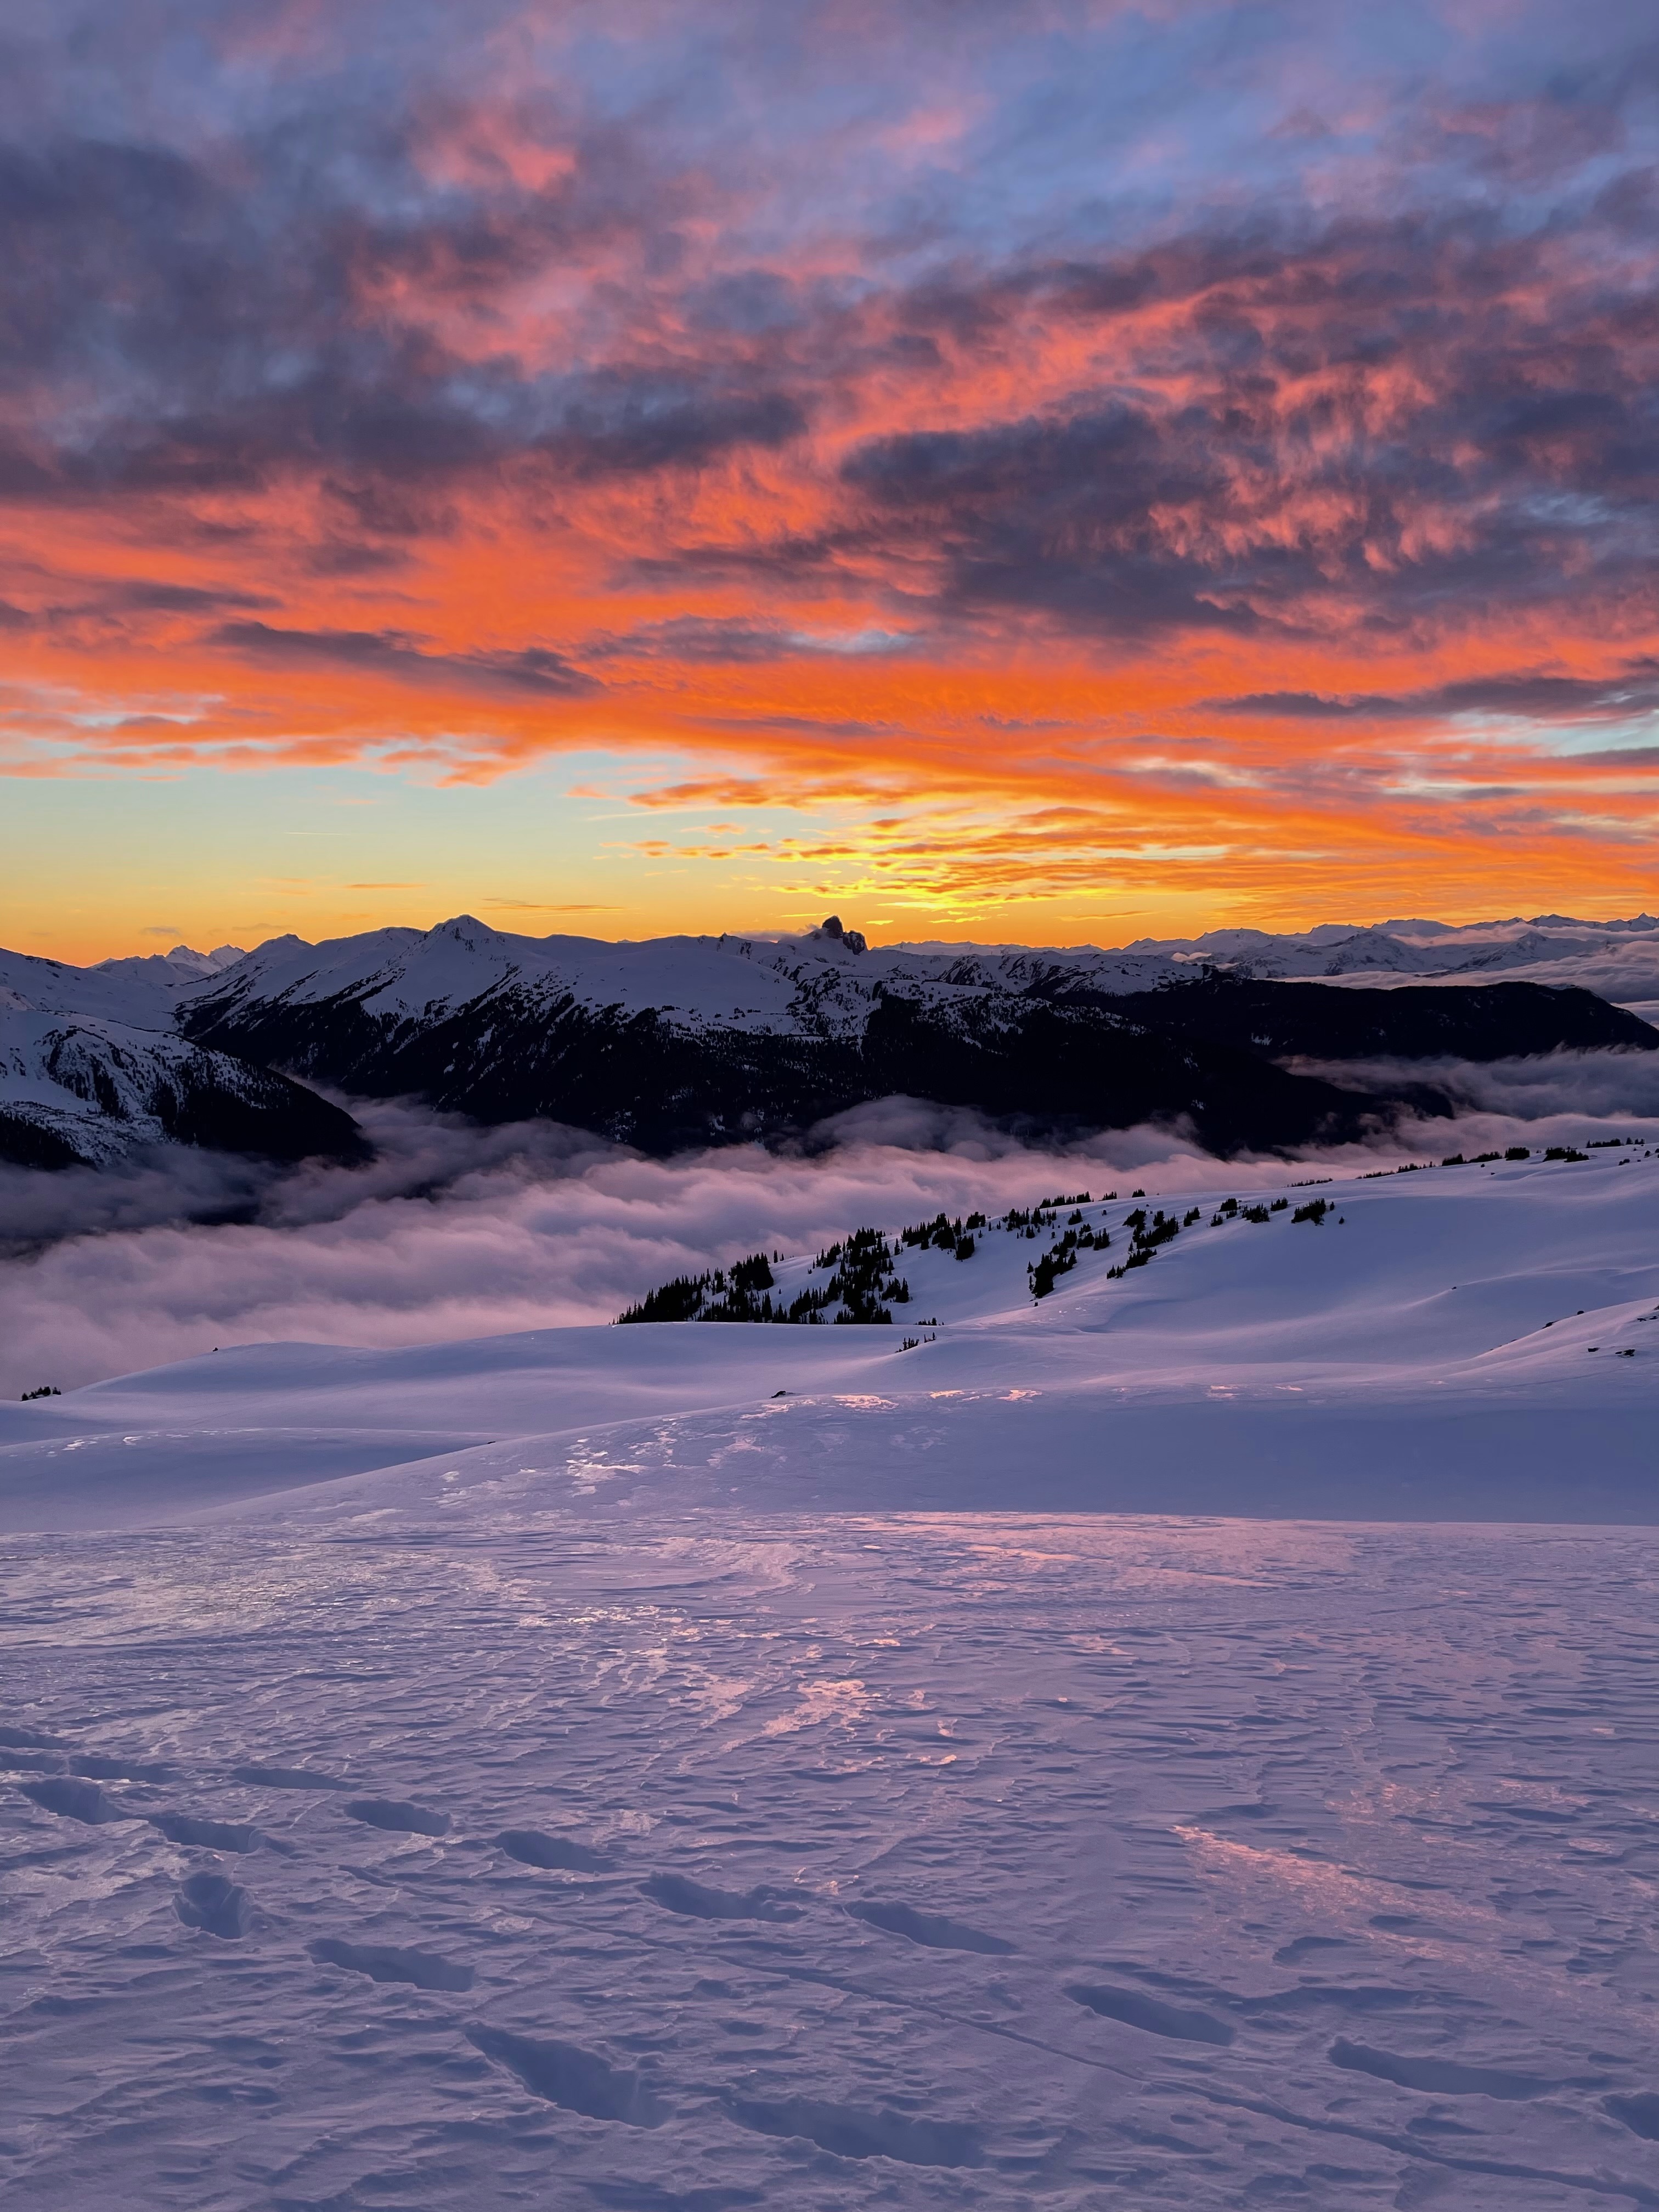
[454, 1231]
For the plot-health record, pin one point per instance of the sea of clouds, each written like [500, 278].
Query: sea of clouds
[454, 1231]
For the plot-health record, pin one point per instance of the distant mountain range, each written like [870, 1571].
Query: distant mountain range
[681, 1041]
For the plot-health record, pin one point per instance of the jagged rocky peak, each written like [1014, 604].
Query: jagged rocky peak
[853, 939]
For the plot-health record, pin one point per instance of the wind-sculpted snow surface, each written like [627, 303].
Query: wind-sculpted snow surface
[706, 1765]
[1127, 1862]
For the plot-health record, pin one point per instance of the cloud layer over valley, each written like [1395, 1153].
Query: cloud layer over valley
[455, 1231]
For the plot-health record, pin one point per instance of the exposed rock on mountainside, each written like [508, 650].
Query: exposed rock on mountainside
[82, 1092]
[853, 939]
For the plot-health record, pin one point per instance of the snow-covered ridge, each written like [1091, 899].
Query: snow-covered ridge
[1516, 1294]
[1617, 960]
[142, 990]
[681, 1040]
[78, 1090]
[817, 983]
[92, 1067]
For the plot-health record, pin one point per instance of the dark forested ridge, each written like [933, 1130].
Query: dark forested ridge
[263, 1114]
[645, 1080]
[1318, 1021]
[1047, 1060]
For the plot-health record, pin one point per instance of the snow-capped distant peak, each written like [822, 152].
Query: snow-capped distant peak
[205, 963]
[825, 980]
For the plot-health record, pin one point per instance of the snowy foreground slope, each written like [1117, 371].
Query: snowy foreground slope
[1427, 1357]
[557, 1770]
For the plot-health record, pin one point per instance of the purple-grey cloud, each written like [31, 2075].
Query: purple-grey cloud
[532, 668]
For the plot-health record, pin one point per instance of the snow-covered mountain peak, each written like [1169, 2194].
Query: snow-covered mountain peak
[678, 1039]
[468, 931]
[823, 981]
[171, 971]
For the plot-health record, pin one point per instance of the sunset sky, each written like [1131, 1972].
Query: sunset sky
[1062, 472]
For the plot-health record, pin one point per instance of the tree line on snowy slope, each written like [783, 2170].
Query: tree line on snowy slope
[862, 1271]
[863, 1281]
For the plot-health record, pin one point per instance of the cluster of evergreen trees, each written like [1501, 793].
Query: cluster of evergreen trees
[865, 1284]
[742, 1293]
[1145, 1237]
[863, 1277]
[863, 1281]
[1044, 1214]
[948, 1236]
[1524, 1153]
[1061, 1257]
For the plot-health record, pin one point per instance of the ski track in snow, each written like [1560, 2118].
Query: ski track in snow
[595, 1781]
